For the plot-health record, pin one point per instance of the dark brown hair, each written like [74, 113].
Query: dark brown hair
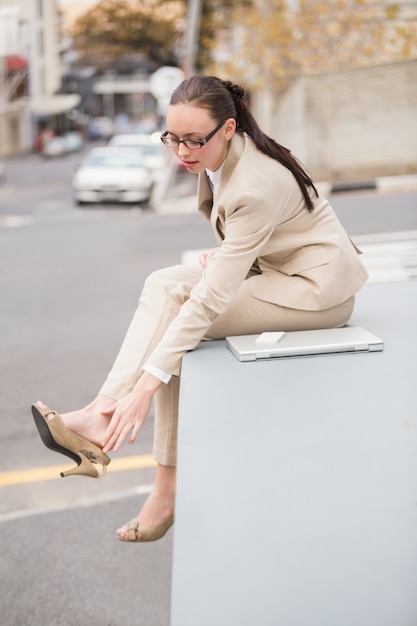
[223, 100]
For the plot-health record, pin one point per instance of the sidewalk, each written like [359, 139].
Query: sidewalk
[388, 257]
[387, 184]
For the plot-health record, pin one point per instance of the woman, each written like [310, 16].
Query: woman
[283, 263]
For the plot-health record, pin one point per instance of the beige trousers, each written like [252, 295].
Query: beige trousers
[162, 296]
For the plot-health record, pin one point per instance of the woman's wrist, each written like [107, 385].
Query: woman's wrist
[147, 383]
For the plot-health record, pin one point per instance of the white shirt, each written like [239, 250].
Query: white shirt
[214, 179]
[155, 371]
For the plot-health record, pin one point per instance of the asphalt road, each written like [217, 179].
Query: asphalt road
[70, 280]
[69, 283]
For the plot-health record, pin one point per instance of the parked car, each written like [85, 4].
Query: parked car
[150, 146]
[42, 137]
[63, 144]
[74, 141]
[53, 147]
[111, 174]
[100, 128]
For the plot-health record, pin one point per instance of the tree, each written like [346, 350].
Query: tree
[275, 40]
[115, 28]
[217, 16]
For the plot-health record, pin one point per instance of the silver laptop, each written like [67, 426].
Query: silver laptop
[303, 343]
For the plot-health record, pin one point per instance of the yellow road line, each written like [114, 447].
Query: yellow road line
[39, 474]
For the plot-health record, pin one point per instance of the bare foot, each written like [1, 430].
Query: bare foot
[88, 422]
[159, 507]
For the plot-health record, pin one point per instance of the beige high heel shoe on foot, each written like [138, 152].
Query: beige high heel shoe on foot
[147, 534]
[90, 459]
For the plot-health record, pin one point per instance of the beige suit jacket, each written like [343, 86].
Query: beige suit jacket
[267, 236]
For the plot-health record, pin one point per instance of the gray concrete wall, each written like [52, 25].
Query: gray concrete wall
[348, 125]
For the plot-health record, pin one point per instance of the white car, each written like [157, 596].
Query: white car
[100, 128]
[55, 146]
[150, 146]
[112, 174]
[59, 146]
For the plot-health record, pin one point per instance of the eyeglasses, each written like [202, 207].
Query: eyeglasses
[192, 144]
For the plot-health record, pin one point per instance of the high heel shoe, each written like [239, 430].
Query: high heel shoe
[90, 459]
[146, 534]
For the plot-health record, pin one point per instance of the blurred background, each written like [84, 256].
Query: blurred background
[336, 82]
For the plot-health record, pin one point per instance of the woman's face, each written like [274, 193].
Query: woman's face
[185, 121]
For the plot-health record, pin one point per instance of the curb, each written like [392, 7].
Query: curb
[386, 184]
[383, 184]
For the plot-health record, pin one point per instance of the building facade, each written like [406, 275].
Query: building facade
[30, 74]
[349, 125]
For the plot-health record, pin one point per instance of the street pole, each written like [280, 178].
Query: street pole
[193, 30]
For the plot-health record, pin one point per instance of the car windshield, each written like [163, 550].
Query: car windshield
[113, 160]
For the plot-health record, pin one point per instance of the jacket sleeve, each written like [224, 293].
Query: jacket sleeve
[248, 225]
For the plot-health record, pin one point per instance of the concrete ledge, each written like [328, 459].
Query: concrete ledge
[297, 482]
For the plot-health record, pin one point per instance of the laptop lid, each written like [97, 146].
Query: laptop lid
[303, 343]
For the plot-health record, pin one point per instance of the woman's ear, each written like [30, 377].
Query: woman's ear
[229, 128]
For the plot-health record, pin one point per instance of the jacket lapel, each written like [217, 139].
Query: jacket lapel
[206, 206]
[204, 196]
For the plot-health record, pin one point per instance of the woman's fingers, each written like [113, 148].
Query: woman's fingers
[125, 423]
[202, 259]
[116, 434]
[116, 439]
[205, 257]
[128, 414]
[135, 432]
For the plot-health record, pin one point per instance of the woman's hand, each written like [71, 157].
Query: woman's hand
[205, 257]
[129, 413]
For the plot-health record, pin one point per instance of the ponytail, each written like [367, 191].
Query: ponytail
[223, 100]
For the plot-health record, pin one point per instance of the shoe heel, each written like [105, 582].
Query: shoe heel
[86, 467]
